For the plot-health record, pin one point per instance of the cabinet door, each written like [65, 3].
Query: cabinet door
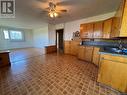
[113, 73]
[107, 28]
[88, 53]
[105, 75]
[119, 76]
[89, 30]
[81, 52]
[67, 47]
[74, 47]
[96, 56]
[117, 20]
[83, 31]
[86, 30]
[98, 28]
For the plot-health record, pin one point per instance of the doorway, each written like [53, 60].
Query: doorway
[59, 40]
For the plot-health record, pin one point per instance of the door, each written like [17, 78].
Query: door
[59, 40]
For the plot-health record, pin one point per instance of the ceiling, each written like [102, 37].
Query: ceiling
[29, 12]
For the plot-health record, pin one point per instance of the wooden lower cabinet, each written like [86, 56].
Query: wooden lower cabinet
[50, 49]
[81, 52]
[4, 59]
[67, 47]
[96, 56]
[85, 53]
[113, 72]
[74, 47]
[88, 53]
[71, 47]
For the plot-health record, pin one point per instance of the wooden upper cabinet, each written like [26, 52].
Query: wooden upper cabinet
[119, 26]
[98, 29]
[107, 28]
[86, 30]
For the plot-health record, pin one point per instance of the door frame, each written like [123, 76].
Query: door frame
[56, 42]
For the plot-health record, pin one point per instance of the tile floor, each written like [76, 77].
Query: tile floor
[52, 74]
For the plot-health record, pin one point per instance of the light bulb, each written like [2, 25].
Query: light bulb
[51, 15]
[55, 14]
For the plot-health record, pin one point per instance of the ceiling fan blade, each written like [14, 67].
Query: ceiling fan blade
[64, 10]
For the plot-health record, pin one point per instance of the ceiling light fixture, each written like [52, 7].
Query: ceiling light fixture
[53, 14]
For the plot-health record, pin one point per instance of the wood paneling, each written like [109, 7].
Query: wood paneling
[96, 56]
[107, 28]
[113, 73]
[98, 28]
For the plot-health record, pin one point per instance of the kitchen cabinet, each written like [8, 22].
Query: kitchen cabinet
[67, 47]
[112, 72]
[119, 26]
[96, 56]
[98, 29]
[4, 58]
[85, 53]
[81, 52]
[88, 53]
[86, 30]
[107, 28]
[74, 47]
[71, 47]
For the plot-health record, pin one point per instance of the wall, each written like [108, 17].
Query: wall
[73, 26]
[51, 34]
[7, 44]
[40, 37]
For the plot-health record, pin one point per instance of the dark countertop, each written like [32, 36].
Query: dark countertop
[106, 52]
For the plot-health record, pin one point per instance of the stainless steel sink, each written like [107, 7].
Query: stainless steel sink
[113, 50]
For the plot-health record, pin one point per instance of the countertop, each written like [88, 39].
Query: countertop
[6, 51]
[113, 54]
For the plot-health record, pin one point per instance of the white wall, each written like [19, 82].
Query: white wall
[7, 44]
[73, 26]
[40, 37]
[51, 34]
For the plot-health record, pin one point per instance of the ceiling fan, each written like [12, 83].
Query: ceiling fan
[52, 11]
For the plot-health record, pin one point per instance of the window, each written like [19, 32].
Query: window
[16, 35]
[6, 34]
[13, 35]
